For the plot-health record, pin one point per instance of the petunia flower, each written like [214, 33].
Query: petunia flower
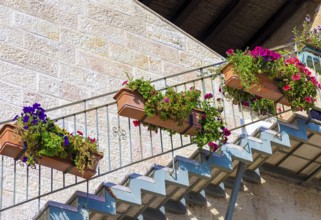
[308, 99]
[66, 141]
[208, 96]
[136, 123]
[166, 100]
[80, 133]
[213, 146]
[226, 132]
[296, 77]
[230, 52]
[286, 87]
[125, 82]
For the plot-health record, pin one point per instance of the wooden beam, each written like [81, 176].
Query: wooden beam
[223, 20]
[185, 11]
[147, 2]
[275, 21]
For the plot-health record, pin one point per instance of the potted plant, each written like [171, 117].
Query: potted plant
[182, 112]
[36, 139]
[308, 36]
[267, 74]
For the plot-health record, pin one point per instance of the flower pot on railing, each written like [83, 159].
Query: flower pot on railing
[131, 104]
[11, 145]
[266, 88]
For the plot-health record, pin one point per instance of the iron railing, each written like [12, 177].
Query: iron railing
[123, 144]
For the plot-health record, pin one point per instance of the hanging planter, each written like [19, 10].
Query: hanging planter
[270, 77]
[130, 104]
[182, 112]
[12, 146]
[266, 88]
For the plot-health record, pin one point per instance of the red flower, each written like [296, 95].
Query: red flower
[230, 52]
[125, 82]
[226, 132]
[308, 99]
[286, 87]
[92, 140]
[296, 77]
[203, 116]
[136, 123]
[80, 133]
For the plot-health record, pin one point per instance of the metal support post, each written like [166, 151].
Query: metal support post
[235, 191]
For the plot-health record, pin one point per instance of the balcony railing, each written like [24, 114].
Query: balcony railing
[123, 144]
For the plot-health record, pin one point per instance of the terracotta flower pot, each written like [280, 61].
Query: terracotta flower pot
[131, 104]
[11, 145]
[266, 89]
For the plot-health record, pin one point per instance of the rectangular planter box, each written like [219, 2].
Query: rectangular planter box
[267, 89]
[11, 145]
[131, 104]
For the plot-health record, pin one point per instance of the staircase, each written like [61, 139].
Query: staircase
[170, 188]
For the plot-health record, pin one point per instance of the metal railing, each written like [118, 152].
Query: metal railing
[123, 144]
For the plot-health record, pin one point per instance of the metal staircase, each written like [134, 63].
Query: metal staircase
[169, 189]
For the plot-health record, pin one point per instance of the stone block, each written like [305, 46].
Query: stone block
[133, 58]
[85, 42]
[167, 36]
[43, 11]
[36, 25]
[102, 30]
[152, 48]
[27, 59]
[10, 94]
[20, 76]
[50, 85]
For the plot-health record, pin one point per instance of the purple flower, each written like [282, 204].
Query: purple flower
[26, 118]
[307, 18]
[25, 127]
[24, 159]
[15, 118]
[28, 109]
[166, 100]
[208, 96]
[34, 121]
[36, 105]
[66, 141]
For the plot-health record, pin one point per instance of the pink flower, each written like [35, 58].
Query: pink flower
[279, 109]
[296, 77]
[125, 82]
[166, 100]
[203, 116]
[226, 132]
[192, 88]
[80, 133]
[213, 146]
[245, 103]
[208, 96]
[136, 123]
[230, 52]
[286, 87]
[314, 81]
[308, 99]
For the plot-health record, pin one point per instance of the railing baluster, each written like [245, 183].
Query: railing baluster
[108, 137]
